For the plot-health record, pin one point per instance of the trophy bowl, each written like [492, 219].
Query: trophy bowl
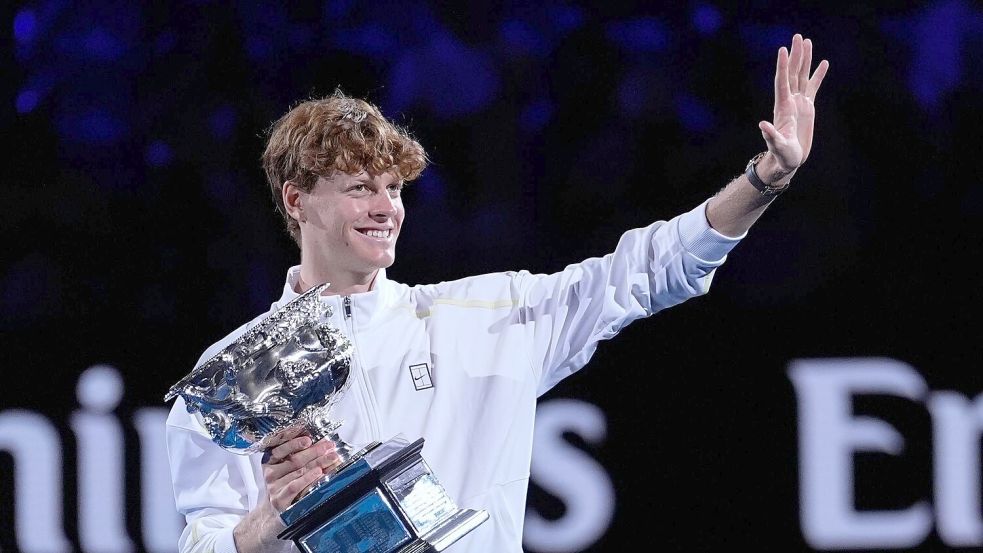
[281, 377]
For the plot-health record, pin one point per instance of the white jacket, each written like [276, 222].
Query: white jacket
[483, 349]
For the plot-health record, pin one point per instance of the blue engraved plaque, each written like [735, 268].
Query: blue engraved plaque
[367, 526]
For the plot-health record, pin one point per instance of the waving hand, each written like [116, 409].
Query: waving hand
[789, 137]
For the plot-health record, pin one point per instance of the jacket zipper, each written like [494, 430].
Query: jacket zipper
[346, 307]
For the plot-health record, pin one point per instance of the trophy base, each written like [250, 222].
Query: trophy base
[386, 501]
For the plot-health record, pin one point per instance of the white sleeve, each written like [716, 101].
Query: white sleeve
[213, 489]
[651, 269]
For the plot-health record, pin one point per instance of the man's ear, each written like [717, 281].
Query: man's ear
[292, 201]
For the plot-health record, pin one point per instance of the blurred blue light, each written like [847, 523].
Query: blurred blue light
[222, 122]
[707, 19]
[938, 33]
[30, 290]
[258, 48]
[99, 44]
[372, 40]
[93, 127]
[632, 94]
[694, 114]
[566, 18]
[646, 34]
[300, 36]
[450, 77]
[336, 9]
[424, 24]
[25, 25]
[404, 80]
[165, 42]
[159, 153]
[27, 100]
[430, 187]
[520, 38]
[536, 115]
[221, 188]
[764, 40]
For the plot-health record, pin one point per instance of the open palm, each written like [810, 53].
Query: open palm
[789, 137]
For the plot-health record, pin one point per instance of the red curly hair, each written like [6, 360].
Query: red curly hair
[335, 133]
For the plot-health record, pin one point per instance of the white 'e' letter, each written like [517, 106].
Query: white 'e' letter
[829, 434]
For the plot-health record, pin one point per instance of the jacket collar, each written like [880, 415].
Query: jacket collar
[366, 306]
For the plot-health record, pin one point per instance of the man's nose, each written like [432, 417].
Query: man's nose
[383, 206]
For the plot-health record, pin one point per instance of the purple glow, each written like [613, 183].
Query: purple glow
[337, 9]
[159, 153]
[371, 39]
[100, 44]
[93, 127]
[536, 115]
[27, 100]
[707, 19]
[566, 18]
[938, 33]
[452, 78]
[644, 34]
[430, 187]
[258, 48]
[222, 122]
[165, 42]
[632, 96]
[25, 25]
[520, 38]
[694, 114]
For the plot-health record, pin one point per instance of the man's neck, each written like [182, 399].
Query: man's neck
[341, 284]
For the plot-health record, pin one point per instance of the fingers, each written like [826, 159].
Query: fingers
[322, 452]
[805, 66]
[782, 92]
[284, 490]
[279, 438]
[795, 63]
[770, 134]
[817, 79]
[795, 67]
[289, 477]
[282, 451]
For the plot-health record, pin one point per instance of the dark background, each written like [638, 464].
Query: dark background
[137, 227]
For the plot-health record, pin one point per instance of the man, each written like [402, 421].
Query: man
[458, 363]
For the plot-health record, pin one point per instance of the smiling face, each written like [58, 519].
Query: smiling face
[348, 226]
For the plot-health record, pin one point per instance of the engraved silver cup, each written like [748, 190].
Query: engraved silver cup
[281, 377]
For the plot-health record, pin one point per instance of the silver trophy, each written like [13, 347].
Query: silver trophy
[281, 378]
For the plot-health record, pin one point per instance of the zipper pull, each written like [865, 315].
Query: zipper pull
[347, 303]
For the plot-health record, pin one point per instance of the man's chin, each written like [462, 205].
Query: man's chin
[381, 262]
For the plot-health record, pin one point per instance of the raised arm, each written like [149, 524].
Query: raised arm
[789, 139]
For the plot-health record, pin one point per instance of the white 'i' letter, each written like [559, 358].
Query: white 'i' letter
[162, 524]
[102, 527]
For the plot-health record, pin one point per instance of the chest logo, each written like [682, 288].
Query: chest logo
[421, 376]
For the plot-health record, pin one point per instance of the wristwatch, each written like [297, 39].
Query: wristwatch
[752, 176]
